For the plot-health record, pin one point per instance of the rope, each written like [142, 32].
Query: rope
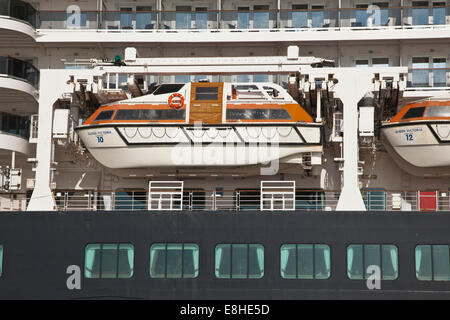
[285, 136]
[176, 133]
[145, 137]
[442, 136]
[128, 136]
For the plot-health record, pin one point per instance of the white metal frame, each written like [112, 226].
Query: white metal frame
[166, 194]
[277, 195]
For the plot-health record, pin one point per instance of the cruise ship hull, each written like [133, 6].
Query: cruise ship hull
[38, 250]
[423, 145]
[142, 146]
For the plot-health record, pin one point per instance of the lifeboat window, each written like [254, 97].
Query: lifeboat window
[438, 112]
[305, 261]
[248, 92]
[174, 260]
[105, 115]
[206, 93]
[432, 263]
[414, 113]
[239, 261]
[258, 114]
[168, 88]
[161, 114]
[110, 260]
[362, 256]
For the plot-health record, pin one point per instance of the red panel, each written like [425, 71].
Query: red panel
[428, 200]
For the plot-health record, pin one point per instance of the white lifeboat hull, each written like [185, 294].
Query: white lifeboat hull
[143, 146]
[424, 145]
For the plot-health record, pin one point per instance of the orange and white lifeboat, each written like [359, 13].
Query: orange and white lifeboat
[202, 124]
[420, 133]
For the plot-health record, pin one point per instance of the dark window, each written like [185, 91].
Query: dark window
[239, 261]
[414, 113]
[258, 114]
[168, 88]
[206, 93]
[309, 200]
[176, 260]
[248, 199]
[164, 114]
[109, 261]
[130, 200]
[105, 115]
[194, 199]
[305, 261]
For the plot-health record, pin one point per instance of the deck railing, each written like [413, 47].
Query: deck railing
[258, 19]
[235, 201]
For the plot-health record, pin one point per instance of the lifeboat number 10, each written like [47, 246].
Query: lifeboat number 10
[100, 139]
[409, 137]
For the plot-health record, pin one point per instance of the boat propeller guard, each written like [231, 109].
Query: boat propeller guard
[176, 101]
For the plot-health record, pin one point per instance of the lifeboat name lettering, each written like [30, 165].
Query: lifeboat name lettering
[99, 133]
[408, 130]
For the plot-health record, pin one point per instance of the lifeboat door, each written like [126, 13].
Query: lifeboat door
[206, 103]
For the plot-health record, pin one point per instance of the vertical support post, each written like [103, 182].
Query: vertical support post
[352, 87]
[42, 198]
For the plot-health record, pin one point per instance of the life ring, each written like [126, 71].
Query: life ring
[178, 102]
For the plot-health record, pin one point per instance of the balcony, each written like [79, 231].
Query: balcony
[18, 21]
[18, 86]
[14, 132]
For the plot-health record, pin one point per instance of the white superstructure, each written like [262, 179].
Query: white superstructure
[56, 69]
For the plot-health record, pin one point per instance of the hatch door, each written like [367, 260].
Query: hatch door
[206, 103]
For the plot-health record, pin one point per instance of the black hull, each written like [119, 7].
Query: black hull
[38, 248]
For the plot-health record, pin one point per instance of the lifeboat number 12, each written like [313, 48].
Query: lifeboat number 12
[409, 137]
[100, 139]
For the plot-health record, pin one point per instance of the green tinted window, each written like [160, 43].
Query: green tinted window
[110, 260]
[239, 261]
[433, 262]
[361, 257]
[305, 261]
[174, 260]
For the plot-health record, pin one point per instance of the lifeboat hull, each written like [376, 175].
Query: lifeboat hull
[143, 146]
[424, 145]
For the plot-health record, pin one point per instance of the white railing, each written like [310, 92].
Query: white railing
[233, 201]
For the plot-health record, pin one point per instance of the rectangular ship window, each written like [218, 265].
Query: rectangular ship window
[110, 260]
[362, 256]
[432, 262]
[206, 93]
[239, 261]
[305, 261]
[174, 260]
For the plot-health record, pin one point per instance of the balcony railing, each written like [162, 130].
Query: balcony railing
[19, 69]
[19, 10]
[257, 20]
